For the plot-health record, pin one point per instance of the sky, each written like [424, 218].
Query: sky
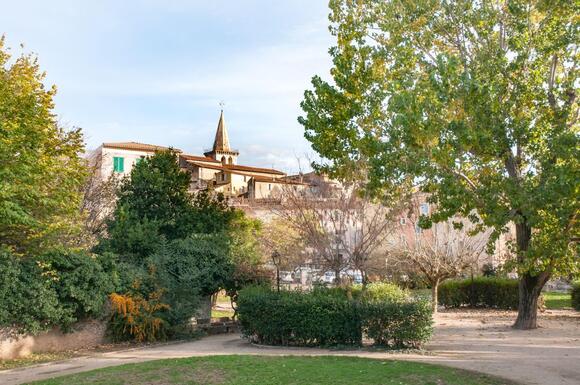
[155, 71]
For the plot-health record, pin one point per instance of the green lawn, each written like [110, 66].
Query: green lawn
[556, 300]
[247, 370]
[221, 313]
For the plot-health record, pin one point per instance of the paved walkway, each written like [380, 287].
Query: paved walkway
[480, 341]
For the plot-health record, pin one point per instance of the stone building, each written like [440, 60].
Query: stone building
[217, 169]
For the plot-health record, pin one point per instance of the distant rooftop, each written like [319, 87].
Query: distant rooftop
[137, 146]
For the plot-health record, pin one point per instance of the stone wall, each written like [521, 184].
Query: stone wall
[87, 334]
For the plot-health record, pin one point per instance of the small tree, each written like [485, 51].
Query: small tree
[278, 236]
[154, 206]
[342, 229]
[98, 202]
[443, 251]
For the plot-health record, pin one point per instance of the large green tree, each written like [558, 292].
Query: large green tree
[475, 102]
[41, 168]
[154, 206]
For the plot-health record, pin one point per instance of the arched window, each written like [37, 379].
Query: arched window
[223, 160]
[230, 160]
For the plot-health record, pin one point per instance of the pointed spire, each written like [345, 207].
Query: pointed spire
[221, 141]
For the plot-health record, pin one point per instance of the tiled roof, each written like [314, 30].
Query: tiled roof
[199, 158]
[137, 146]
[254, 169]
[236, 168]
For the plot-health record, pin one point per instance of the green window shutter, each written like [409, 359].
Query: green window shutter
[118, 164]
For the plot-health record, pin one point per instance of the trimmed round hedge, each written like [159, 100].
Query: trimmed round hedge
[486, 292]
[326, 317]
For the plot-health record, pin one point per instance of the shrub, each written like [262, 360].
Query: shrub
[489, 292]
[28, 302]
[81, 282]
[381, 291]
[328, 317]
[397, 324]
[135, 317]
[295, 318]
[576, 295]
[376, 291]
[56, 289]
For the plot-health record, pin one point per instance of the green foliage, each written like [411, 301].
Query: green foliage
[476, 100]
[81, 281]
[170, 241]
[383, 291]
[328, 317]
[58, 288]
[576, 295]
[295, 318]
[488, 270]
[28, 302]
[41, 168]
[189, 269]
[400, 324]
[153, 205]
[491, 292]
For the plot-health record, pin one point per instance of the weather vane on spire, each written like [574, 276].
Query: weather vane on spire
[222, 104]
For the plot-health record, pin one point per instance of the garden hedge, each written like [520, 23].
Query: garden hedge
[487, 292]
[576, 295]
[326, 317]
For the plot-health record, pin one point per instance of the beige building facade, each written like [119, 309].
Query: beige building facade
[217, 169]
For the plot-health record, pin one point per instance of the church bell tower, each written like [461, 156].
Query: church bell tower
[221, 150]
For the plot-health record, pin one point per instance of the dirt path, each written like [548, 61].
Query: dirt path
[475, 340]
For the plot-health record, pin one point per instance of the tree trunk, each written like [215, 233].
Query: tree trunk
[337, 276]
[530, 287]
[434, 293]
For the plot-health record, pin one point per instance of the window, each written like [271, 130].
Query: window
[223, 177]
[269, 186]
[244, 178]
[418, 230]
[424, 209]
[118, 164]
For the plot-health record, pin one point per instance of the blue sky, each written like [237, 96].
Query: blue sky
[155, 71]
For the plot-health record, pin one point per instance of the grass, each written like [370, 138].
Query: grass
[421, 293]
[221, 313]
[223, 298]
[556, 300]
[34, 359]
[260, 370]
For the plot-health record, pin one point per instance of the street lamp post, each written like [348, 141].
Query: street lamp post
[276, 261]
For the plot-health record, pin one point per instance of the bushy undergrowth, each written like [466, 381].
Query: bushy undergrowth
[576, 295]
[135, 317]
[56, 289]
[487, 292]
[328, 317]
